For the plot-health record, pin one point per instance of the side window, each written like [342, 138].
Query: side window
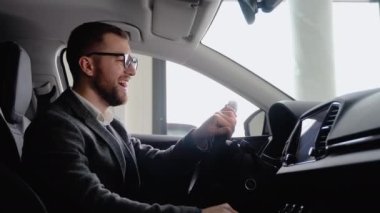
[191, 98]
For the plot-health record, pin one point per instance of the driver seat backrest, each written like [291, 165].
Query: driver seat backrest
[15, 99]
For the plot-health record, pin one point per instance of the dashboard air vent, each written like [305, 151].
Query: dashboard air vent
[320, 144]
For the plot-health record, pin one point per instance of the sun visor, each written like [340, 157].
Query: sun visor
[174, 19]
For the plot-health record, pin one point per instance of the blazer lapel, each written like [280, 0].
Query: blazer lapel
[109, 139]
[125, 137]
[131, 152]
[96, 127]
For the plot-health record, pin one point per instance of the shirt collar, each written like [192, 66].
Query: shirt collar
[104, 119]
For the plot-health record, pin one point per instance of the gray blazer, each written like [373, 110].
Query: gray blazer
[75, 164]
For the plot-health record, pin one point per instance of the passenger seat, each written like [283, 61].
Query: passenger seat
[15, 98]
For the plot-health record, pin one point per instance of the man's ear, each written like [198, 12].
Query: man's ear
[86, 65]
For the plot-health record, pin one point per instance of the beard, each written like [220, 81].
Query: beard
[110, 93]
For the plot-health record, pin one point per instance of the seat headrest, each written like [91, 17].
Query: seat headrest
[15, 81]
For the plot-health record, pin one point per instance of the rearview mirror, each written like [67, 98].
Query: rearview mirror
[250, 7]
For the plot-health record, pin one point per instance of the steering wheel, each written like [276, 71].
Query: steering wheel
[226, 174]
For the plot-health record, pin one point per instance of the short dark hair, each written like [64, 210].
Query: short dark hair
[83, 38]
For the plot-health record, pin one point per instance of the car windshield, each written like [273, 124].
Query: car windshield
[311, 50]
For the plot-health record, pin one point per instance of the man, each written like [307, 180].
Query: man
[78, 158]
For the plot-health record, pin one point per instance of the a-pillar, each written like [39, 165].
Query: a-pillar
[313, 46]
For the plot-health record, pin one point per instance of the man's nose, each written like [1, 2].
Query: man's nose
[130, 70]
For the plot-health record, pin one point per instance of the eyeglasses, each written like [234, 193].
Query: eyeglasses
[128, 59]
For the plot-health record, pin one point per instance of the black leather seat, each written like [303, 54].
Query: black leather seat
[15, 99]
[15, 96]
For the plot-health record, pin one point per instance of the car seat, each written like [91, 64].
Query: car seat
[15, 99]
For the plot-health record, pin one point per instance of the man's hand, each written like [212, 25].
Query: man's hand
[223, 208]
[222, 123]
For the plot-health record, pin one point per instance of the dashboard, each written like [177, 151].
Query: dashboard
[331, 160]
[348, 124]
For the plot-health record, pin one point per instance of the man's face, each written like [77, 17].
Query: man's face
[111, 77]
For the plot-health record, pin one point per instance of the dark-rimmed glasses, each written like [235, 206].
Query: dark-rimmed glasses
[128, 59]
